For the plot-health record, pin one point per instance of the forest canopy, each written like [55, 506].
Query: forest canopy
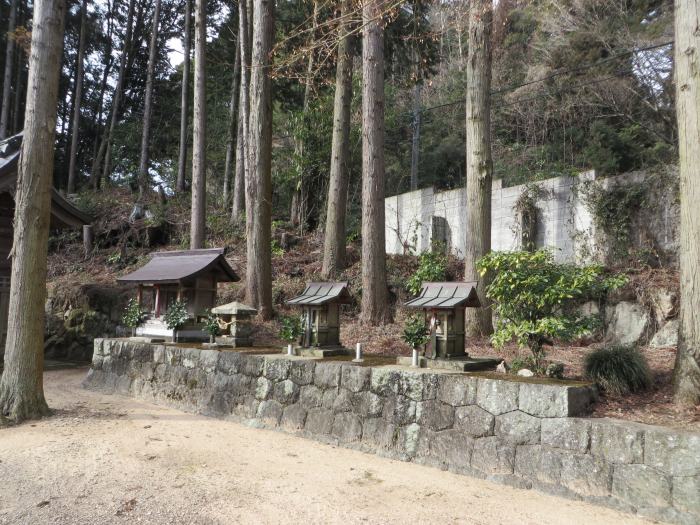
[576, 85]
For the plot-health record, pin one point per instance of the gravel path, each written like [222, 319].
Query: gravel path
[111, 459]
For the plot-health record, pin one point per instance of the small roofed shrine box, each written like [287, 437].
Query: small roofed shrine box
[188, 276]
[234, 324]
[321, 304]
[444, 305]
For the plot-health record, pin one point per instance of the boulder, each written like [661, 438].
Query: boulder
[627, 323]
[525, 372]
[667, 336]
[665, 303]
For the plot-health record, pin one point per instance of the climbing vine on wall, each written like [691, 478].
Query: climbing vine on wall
[526, 210]
[613, 211]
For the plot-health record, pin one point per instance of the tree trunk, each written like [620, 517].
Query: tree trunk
[105, 145]
[199, 159]
[233, 122]
[238, 207]
[334, 240]
[185, 110]
[686, 374]
[143, 176]
[479, 163]
[259, 182]
[240, 197]
[415, 141]
[21, 386]
[299, 213]
[79, 73]
[375, 307]
[20, 95]
[7, 77]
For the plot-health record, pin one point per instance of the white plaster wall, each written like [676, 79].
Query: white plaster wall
[561, 218]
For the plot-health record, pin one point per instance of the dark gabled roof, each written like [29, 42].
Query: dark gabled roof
[178, 266]
[63, 213]
[446, 295]
[323, 293]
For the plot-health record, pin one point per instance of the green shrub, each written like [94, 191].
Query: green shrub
[133, 315]
[176, 315]
[535, 298]
[276, 249]
[211, 324]
[292, 328]
[618, 369]
[432, 266]
[415, 333]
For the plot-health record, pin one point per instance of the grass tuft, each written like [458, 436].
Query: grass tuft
[618, 369]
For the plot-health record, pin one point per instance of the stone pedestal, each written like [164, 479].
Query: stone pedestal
[465, 364]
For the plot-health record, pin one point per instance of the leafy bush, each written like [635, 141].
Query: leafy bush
[133, 315]
[276, 249]
[618, 369]
[415, 333]
[176, 315]
[613, 210]
[535, 298]
[432, 266]
[292, 328]
[211, 324]
[518, 363]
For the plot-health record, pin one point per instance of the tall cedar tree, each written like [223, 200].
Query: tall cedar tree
[185, 106]
[79, 74]
[334, 240]
[199, 152]
[686, 377]
[259, 182]
[7, 77]
[232, 123]
[299, 212]
[21, 386]
[144, 161]
[375, 307]
[106, 142]
[479, 162]
[240, 195]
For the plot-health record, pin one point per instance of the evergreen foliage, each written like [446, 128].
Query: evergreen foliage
[176, 315]
[415, 333]
[133, 315]
[432, 266]
[211, 324]
[292, 328]
[535, 298]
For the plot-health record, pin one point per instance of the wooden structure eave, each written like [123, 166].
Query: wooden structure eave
[63, 213]
[161, 270]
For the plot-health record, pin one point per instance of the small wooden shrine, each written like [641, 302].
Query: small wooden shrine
[189, 276]
[444, 305]
[321, 304]
[64, 215]
[234, 324]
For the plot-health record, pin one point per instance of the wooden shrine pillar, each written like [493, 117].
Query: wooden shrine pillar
[139, 295]
[157, 306]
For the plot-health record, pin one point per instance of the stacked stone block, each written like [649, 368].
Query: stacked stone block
[520, 433]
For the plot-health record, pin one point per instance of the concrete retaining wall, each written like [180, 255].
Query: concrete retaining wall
[409, 218]
[564, 222]
[519, 433]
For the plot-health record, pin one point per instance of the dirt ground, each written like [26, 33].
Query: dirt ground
[111, 459]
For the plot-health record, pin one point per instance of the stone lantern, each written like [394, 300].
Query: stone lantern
[234, 324]
[321, 311]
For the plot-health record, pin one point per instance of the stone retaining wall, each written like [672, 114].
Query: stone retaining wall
[519, 433]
